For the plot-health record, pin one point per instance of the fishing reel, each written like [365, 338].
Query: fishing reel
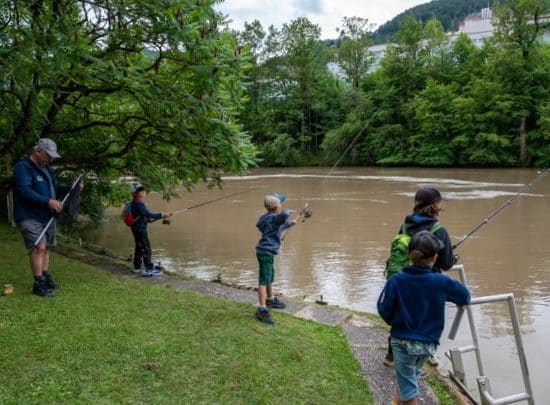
[166, 221]
[305, 214]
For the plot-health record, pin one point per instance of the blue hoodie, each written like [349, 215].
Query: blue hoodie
[33, 187]
[272, 226]
[413, 303]
[143, 215]
[419, 222]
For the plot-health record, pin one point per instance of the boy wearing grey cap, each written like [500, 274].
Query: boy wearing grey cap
[142, 250]
[272, 225]
[413, 304]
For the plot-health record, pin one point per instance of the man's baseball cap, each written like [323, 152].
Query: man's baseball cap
[426, 242]
[49, 146]
[272, 200]
[426, 196]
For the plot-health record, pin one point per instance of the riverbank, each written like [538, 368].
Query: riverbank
[110, 336]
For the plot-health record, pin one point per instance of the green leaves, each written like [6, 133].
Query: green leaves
[124, 87]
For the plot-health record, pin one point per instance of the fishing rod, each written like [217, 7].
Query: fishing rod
[502, 207]
[48, 224]
[305, 212]
[167, 221]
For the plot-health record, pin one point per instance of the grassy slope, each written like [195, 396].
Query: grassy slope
[107, 339]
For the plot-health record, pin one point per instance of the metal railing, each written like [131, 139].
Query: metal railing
[458, 372]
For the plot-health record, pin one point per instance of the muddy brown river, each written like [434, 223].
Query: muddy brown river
[340, 251]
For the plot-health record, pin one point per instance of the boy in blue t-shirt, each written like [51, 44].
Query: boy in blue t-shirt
[413, 303]
[272, 225]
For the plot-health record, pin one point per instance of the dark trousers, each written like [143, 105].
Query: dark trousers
[142, 252]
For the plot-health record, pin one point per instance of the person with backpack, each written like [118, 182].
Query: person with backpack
[413, 304]
[137, 216]
[428, 203]
[36, 196]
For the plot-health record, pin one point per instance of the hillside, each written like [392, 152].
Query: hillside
[449, 12]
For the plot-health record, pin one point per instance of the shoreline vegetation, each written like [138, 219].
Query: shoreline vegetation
[110, 338]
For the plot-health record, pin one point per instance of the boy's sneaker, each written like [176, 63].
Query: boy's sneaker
[264, 316]
[137, 271]
[147, 273]
[156, 271]
[275, 303]
[388, 360]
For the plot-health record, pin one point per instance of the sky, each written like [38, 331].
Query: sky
[328, 14]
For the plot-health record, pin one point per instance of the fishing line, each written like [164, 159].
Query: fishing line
[201, 204]
[305, 212]
[502, 207]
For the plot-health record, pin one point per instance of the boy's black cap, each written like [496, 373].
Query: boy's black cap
[426, 196]
[426, 242]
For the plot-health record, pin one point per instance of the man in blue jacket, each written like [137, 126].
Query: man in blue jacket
[413, 303]
[36, 199]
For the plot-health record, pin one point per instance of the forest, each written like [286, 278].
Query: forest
[164, 91]
[430, 102]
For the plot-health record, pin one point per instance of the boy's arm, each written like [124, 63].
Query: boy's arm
[457, 292]
[445, 257]
[385, 303]
[145, 213]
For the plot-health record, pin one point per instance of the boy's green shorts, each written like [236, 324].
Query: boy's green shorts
[267, 273]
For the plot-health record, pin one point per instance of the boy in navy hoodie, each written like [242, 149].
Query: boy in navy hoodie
[272, 225]
[142, 251]
[413, 303]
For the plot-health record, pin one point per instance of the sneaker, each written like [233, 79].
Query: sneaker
[147, 273]
[156, 271]
[388, 360]
[264, 316]
[137, 271]
[275, 303]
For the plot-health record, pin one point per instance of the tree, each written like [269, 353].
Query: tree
[519, 25]
[353, 54]
[125, 87]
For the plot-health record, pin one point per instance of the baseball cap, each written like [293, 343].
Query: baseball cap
[426, 196]
[49, 146]
[273, 199]
[426, 242]
[137, 187]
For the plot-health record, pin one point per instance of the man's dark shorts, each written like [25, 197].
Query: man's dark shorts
[267, 273]
[31, 229]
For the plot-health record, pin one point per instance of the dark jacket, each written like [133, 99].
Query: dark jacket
[143, 215]
[416, 223]
[272, 226]
[33, 188]
[413, 303]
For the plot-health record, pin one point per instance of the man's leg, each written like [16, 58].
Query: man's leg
[39, 259]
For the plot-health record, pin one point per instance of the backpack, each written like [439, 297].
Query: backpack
[399, 250]
[127, 216]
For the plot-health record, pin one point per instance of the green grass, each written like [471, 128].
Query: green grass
[111, 339]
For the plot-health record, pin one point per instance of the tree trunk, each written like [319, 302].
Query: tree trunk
[523, 142]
